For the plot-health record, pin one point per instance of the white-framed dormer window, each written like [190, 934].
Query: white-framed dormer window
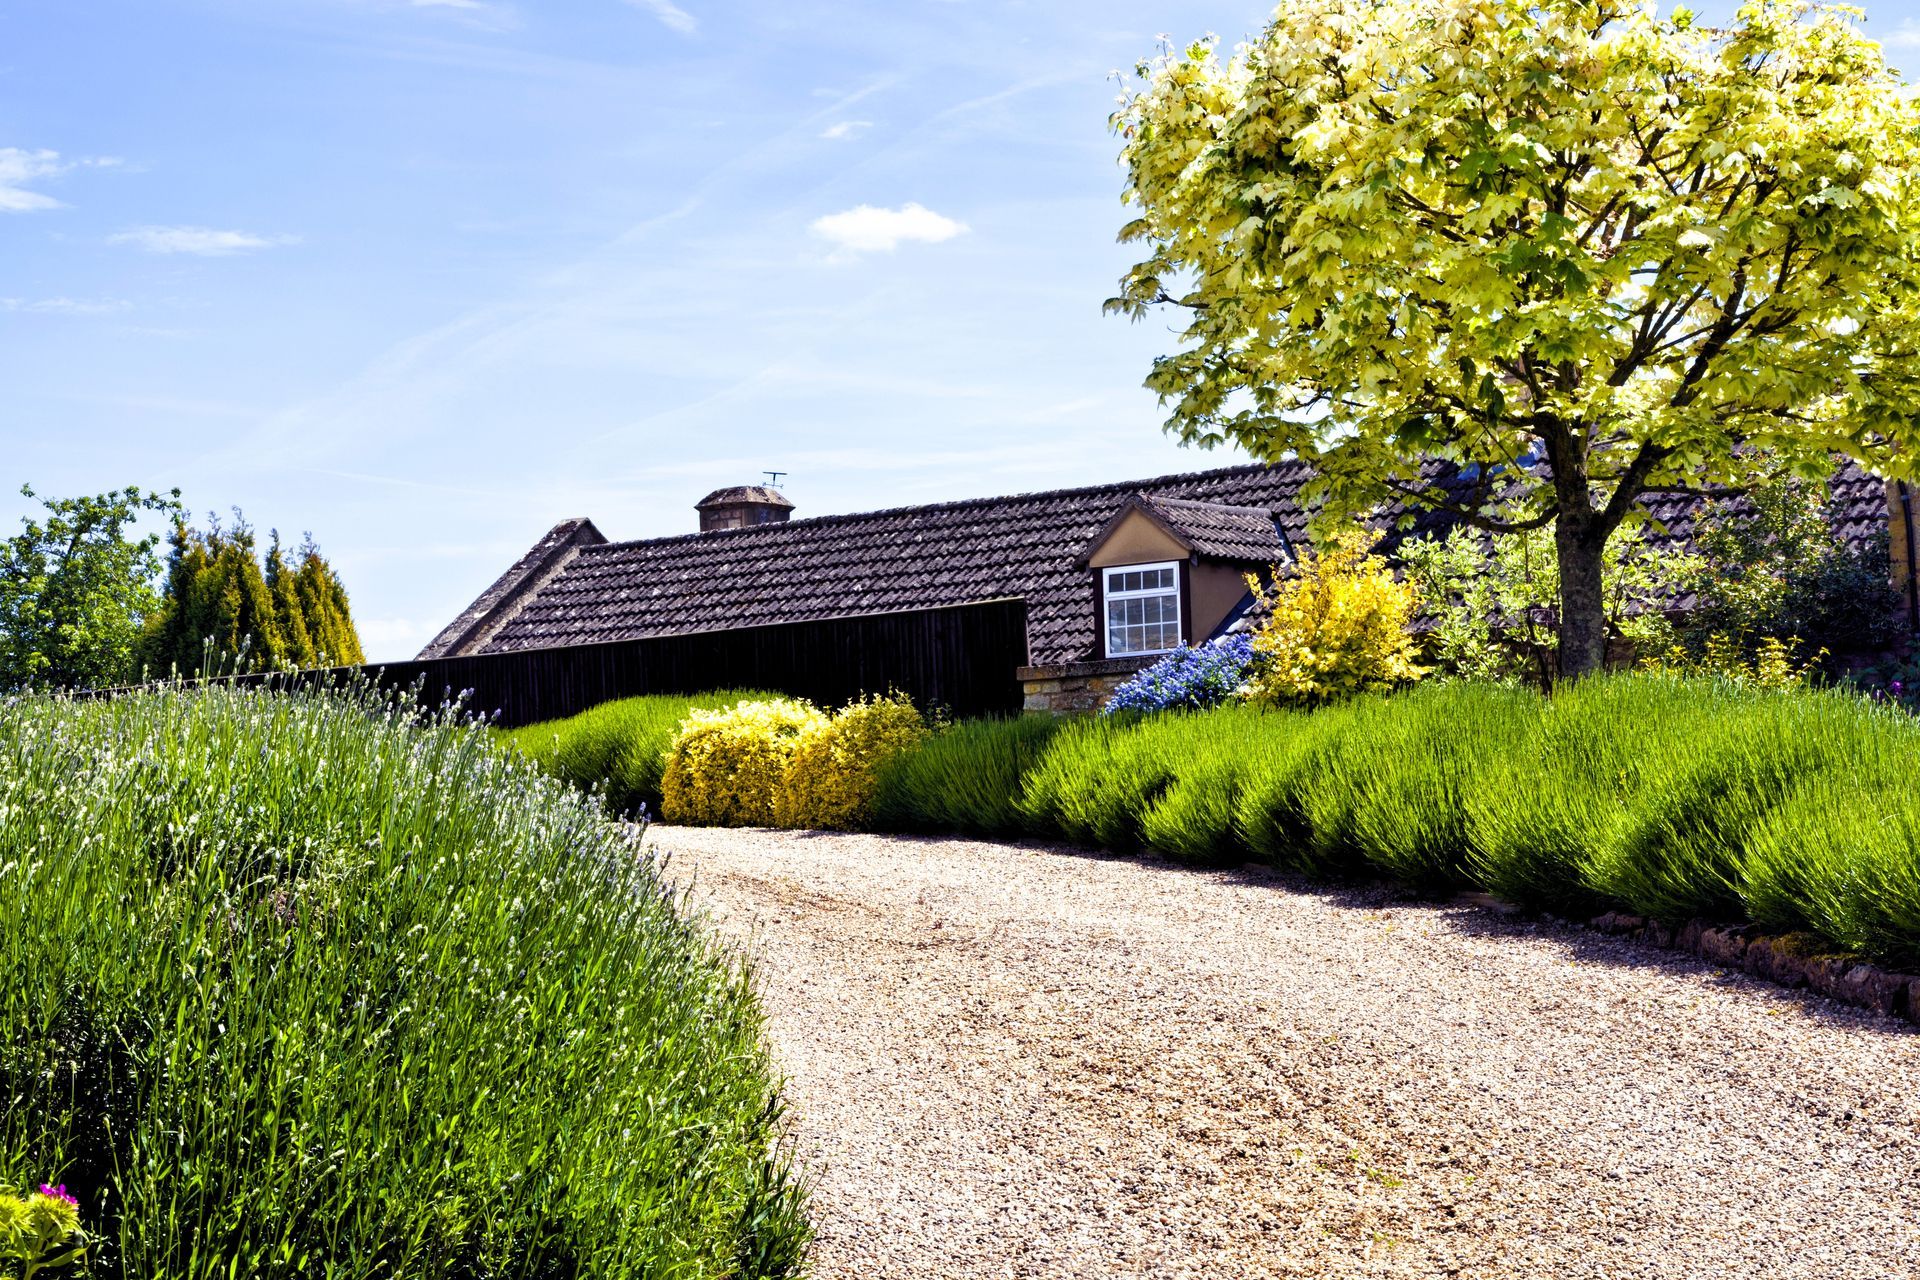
[1142, 603]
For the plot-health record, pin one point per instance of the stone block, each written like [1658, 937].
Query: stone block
[1723, 947]
[1873, 988]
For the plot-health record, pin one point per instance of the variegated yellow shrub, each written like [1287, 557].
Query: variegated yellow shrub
[724, 766]
[1339, 625]
[834, 769]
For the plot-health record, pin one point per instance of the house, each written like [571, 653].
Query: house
[1112, 575]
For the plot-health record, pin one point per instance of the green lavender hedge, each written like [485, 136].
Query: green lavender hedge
[301, 984]
[1663, 796]
[619, 747]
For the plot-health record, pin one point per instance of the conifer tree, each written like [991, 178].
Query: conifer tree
[224, 611]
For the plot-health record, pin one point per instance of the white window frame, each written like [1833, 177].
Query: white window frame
[1108, 595]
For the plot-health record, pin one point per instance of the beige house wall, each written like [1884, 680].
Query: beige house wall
[1137, 540]
[1216, 590]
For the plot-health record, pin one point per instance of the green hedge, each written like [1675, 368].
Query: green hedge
[1663, 796]
[296, 984]
[621, 746]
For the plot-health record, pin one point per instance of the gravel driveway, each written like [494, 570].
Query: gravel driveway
[1006, 1061]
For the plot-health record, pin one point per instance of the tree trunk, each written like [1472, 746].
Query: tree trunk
[1583, 614]
[1579, 534]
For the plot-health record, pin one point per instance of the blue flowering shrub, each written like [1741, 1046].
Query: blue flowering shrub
[1188, 678]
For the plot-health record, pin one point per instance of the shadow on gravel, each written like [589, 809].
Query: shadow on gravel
[1471, 920]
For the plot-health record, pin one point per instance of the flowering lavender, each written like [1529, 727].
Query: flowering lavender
[1187, 678]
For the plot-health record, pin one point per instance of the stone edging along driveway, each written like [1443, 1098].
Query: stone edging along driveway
[1007, 1061]
[1787, 961]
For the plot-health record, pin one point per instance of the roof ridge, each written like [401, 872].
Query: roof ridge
[846, 517]
[1211, 506]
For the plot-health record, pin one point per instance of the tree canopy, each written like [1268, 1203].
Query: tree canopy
[1529, 260]
[75, 589]
[223, 608]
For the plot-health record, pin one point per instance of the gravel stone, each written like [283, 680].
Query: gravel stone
[1006, 1061]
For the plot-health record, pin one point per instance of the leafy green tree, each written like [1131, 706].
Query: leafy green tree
[1491, 610]
[75, 588]
[1585, 251]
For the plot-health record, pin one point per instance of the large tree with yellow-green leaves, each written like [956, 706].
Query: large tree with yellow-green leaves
[1585, 251]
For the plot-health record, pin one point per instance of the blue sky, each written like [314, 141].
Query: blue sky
[426, 276]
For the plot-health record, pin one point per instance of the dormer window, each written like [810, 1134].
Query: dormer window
[1142, 607]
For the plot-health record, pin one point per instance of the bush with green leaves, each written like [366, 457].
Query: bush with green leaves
[1772, 566]
[305, 984]
[1491, 604]
[619, 747]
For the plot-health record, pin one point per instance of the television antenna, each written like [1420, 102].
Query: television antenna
[773, 477]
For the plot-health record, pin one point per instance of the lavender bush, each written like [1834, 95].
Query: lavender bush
[1188, 678]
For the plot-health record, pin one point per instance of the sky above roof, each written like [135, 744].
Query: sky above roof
[424, 277]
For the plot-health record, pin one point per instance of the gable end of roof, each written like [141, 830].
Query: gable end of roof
[497, 605]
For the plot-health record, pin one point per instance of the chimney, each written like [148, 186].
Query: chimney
[744, 505]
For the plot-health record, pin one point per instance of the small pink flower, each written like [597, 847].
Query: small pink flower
[57, 1193]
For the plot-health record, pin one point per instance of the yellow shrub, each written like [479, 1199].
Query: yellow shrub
[834, 768]
[1338, 626]
[1774, 664]
[725, 765]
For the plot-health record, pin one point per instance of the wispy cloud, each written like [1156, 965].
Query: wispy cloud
[446, 4]
[670, 14]
[868, 228]
[845, 129]
[1904, 36]
[204, 242]
[66, 306]
[21, 169]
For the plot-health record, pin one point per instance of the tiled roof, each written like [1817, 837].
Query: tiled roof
[470, 632]
[1246, 534]
[1026, 545]
[872, 562]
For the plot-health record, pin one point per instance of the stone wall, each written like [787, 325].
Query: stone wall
[1076, 688]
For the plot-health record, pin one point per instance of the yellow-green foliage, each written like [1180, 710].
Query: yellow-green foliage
[1774, 664]
[1338, 625]
[619, 747]
[40, 1232]
[833, 771]
[725, 765]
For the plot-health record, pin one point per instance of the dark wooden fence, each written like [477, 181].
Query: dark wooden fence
[961, 658]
